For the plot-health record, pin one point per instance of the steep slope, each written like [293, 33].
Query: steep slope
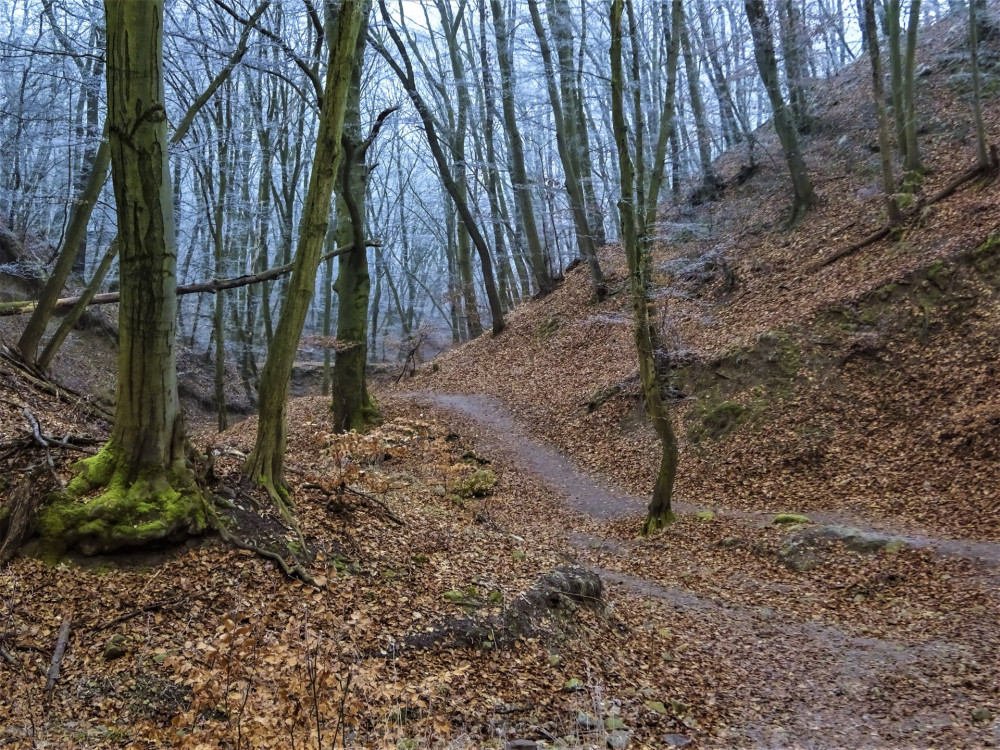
[866, 387]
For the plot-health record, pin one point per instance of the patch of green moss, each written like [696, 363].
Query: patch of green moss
[784, 352]
[986, 257]
[158, 504]
[478, 484]
[939, 274]
[547, 328]
[705, 515]
[715, 420]
[787, 519]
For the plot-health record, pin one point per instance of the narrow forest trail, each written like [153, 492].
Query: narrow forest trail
[789, 676]
[590, 496]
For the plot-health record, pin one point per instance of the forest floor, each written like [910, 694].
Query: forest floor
[861, 395]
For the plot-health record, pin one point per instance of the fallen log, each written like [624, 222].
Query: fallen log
[946, 192]
[21, 307]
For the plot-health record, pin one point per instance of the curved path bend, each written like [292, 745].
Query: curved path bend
[802, 684]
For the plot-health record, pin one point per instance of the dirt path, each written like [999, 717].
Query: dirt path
[792, 682]
[591, 496]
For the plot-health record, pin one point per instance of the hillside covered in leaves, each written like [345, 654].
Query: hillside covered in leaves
[477, 575]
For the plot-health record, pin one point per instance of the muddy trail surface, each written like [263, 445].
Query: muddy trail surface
[790, 680]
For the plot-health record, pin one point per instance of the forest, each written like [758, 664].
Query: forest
[499, 373]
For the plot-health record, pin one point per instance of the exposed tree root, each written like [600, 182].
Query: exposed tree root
[294, 570]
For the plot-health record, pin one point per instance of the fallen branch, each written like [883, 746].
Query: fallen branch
[136, 612]
[21, 307]
[57, 656]
[946, 192]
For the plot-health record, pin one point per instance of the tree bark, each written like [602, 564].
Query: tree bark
[353, 407]
[767, 65]
[266, 463]
[878, 94]
[148, 490]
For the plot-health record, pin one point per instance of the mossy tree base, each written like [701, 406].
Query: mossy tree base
[109, 507]
[658, 522]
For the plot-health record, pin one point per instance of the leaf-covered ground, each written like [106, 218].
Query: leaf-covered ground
[862, 395]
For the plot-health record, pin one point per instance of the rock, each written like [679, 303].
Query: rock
[676, 740]
[656, 707]
[799, 556]
[705, 515]
[573, 685]
[981, 714]
[732, 541]
[522, 745]
[585, 720]
[618, 740]
[786, 519]
[613, 722]
[115, 647]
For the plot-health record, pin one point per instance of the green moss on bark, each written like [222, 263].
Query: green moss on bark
[158, 505]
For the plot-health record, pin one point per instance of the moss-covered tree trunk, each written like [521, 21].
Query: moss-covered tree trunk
[353, 407]
[139, 487]
[266, 463]
[638, 213]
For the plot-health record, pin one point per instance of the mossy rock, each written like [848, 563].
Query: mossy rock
[656, 707]
[573, 685]
[478, 484]
[705, 515]
[787, 519]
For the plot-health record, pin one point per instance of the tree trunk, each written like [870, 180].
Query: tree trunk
[878, 94]
[567, 145]
[637, 242]
[912, 163]
[149, 491]
[266, 463]
[540, 264]
[767, 65]
[405, 75]
[977, 103]
[353, 407]
[709, 182]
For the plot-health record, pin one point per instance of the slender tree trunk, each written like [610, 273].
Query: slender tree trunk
[568, 144]
[767, 65]
[709, 182]
[518, 173]
[635, 206]
[878, 94]
[266, 463]
[912, 163]
[405, 75]
[977, 103]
